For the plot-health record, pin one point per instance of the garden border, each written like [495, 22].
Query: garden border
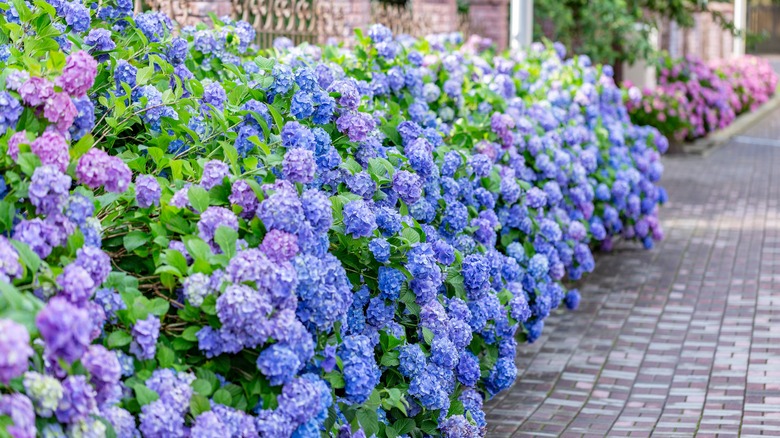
[705, 145]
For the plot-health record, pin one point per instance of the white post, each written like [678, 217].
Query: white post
[521, 23]
[740, 22]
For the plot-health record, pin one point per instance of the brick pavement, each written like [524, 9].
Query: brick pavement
[682, 340]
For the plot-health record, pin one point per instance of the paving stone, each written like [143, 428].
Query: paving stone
[682, 340]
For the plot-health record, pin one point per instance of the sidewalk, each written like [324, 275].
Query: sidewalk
[680, 340]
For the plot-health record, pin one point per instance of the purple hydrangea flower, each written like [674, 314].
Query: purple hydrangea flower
[52, 150]
[65, 329]
[214, 172]
[76, 284]
[60, 111]
[244, 196]
[359, 219]
[9, 261]
[408, 186]
[279, 246]
[145, 334]
[15, 351]
[147, 191]
[10, 111]
[79, 72]
[99, 40]
[35, 91]
[48, 190]
[299, 166]
[213, 218]
[20, 409]
[355, 125]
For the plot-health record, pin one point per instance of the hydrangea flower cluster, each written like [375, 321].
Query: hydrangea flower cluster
[344, 242]
[694, 98]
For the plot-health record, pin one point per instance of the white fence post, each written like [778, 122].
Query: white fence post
[521, 23]
[740, 22]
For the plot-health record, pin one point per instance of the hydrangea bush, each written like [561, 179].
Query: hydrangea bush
[694, 98]
[202, 239]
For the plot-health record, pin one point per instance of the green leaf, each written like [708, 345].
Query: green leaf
[80, 148]
[278, 120]
[134, 240]
[190, 333]
[144, 74]
[197, 248]
[404, 425]
[427, 335]
[226, 239]
[29, 258]
[165, 356]
[119, 339]
[202, 387]
[199, 198]
[411, 235]
[159, 307]
[368, 421]
[223, 397]
[144, 395]
[199, 404]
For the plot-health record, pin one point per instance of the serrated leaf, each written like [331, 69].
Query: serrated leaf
[199, 404]
[226, 238]
[144, 395]
[165, 356]
[198, 197]
[223, 397]
[119, 339]
[202, 387]
[134, 240]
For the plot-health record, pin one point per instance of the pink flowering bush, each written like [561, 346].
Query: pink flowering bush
[693, 98]
[753, 79]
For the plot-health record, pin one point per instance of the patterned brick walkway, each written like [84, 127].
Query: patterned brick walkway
[682, 340]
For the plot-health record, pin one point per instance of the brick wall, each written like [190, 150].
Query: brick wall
[490, 18]
[705, 39]
[337, 19]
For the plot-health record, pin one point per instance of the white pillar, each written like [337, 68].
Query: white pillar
[740, 22]
[521, 23]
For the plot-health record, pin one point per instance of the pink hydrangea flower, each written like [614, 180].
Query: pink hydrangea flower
[79, 74]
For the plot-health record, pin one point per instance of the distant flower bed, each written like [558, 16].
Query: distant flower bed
[693, 98]
[201, 239]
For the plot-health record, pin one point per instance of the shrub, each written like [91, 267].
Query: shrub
[199, 238]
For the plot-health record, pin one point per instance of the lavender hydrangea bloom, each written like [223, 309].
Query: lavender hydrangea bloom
[408, 186]
[78, 400]
[317, 210]
[99, 40]
[20, 410]
[279, 246]
[147, 191]
[77, 16]
[243, 313]
[145, 334]
[10, 111]
[76, 283]
[214, 95]
[360, 369]
[10, 267]
[15, 351]
[355, 125]
[380, 248]
[85, 118]
[282, 211]
[121, 420]
[111, 302]
[359, 219]
[35, 91]
[65, 329]
[299, 166]
[103, 367]
[214, 172]
[49, 190]
[279, 364]
[52, 149]
[244, 196]
[79, 73]
[212, 219]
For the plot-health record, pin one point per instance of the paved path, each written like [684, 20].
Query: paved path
[682, 340]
